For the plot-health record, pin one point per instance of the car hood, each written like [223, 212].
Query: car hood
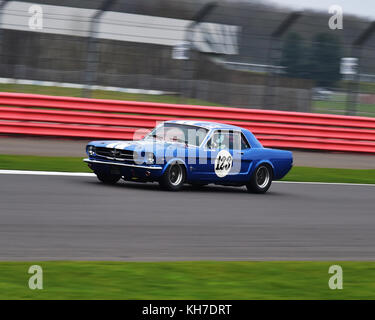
[135, 145]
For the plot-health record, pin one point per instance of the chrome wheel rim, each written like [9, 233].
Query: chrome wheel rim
[262, 177]
[175, 175]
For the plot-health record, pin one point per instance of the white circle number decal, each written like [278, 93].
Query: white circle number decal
[223, 163]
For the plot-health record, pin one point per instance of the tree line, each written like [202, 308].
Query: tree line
[318, 60]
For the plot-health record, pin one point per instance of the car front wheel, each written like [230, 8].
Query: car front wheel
[108, 178]
[261, 180]
[173, 178]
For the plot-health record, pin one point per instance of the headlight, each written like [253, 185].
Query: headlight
[91, 150]
[150, 158]
[137, 158]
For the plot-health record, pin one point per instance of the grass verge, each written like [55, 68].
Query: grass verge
[329, 175]
[37, 163]
[334, 107]
[74, 164]
[187, 280]
[101, 94]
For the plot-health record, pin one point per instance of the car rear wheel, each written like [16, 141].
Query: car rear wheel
[261, 180]
[108, 178]
[173, 178]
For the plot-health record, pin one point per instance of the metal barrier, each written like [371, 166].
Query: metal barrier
[110, 119]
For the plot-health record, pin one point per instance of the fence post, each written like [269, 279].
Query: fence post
[188, 64]
[354, 84]
[274, 45]
[2, 6]
[92, 57]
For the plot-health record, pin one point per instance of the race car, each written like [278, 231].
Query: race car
[190, 152]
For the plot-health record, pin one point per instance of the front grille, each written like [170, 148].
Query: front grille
[115, 154]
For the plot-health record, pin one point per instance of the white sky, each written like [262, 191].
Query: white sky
[365, 8]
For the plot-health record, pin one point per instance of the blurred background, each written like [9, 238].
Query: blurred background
[268, 55]
[248, 54]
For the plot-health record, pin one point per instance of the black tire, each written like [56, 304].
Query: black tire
[261, 179]
[108, 178]
[173, 178]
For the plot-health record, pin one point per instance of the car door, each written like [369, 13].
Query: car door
[242, 157]
[223, 157]
[246, 155]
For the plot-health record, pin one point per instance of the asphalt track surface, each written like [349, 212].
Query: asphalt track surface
[77, 218]
[76, 148]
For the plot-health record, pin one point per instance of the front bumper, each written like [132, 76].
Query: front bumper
[122, 164]
[130, 171]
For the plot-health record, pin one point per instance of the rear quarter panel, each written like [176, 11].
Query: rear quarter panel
[280, 160]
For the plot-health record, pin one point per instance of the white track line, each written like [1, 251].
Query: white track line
[328, 183]
[47, 173]
[84, 174]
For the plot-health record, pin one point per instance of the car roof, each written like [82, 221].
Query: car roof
[205, 124]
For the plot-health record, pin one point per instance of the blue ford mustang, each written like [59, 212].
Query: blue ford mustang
[193, 152]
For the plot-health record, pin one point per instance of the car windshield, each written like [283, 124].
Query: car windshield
[182, 133]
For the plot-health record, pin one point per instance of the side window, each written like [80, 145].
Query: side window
[209, 143]
[228, 140]
[244, 143]
[238, 141]
[201, 134]
[220, 140]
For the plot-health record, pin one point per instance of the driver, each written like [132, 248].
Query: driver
[218, 142]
